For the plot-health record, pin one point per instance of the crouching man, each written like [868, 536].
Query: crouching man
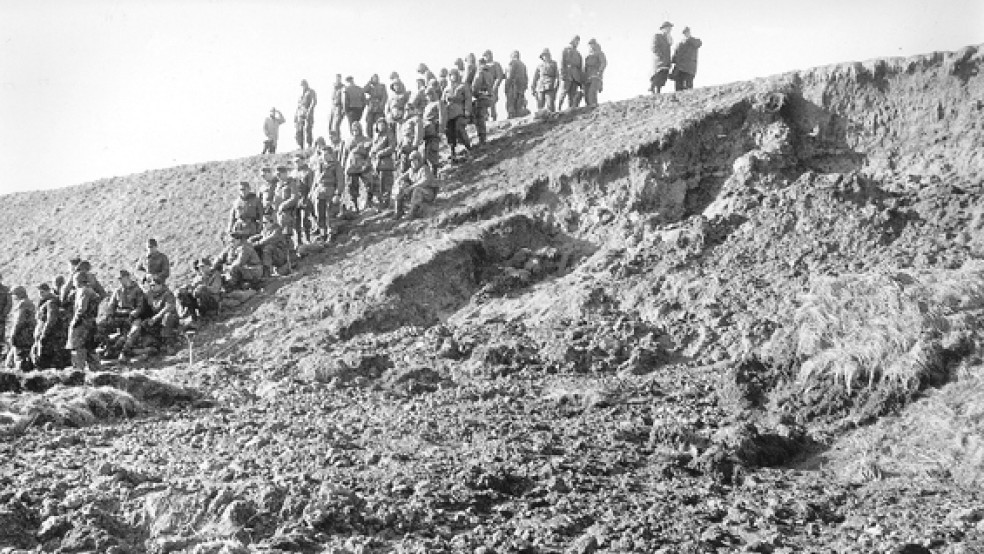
[273, 247]
[240, 265]
[417, 186]
[127, 309]
[161, 323]
[201, 298]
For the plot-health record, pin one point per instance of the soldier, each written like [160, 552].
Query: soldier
[305, 108]
[50, 333]
[337, 106]
[22, 331]
[239, 263]
[662, 42]
[381, 155]
[594, 71]
[353, 101]
[127, 309]
[425, 73]
[435, 118]
[82, 326]
[357, 168]
[336, 144]
[154, 263]
[517, 79]
[271, 129]
[498, 76]
[410, 137]
[376, 108]
[685, 60]
[571, 69]
[304, 178]
[80, 267]
[4, 313]
[482, 91]
[246, 211]
[396, 102]
[456, 102]
[162, 316]
[416, 186]
[201, 298]
[328, 183]
[272, 246]
[545, 82]
[419, 97]
[268, 188]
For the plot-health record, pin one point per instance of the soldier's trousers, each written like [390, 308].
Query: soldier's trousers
[546, 99]
[569, 91]
[335, 120]
[481, 117]
[515, 103]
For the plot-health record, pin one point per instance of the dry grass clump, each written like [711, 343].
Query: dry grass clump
[70, 406]
[881, 329]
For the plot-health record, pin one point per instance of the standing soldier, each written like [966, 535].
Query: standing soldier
[82, 327]
[353, 101]
[425, 73]
[571, 69]
[594, 71]
[154, 263]
[434, 119]
[685, 59]
[337, 106]
[22, 332]
[51, 332]
[268, 188]
[327, 186]
[246, 211]
[305, 106]
[4, 312]
[482, 90]
[662, 43]
[285, 201]
[271, 128]
[410, 136]
[376, 92]
[455, 103]
[498, 75]
[357, 167]
[382, 153]
[304, 178]
[517, 79]
[396, 101]
[545, 82]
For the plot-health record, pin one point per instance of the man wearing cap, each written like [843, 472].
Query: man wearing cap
[571, 70]
[162, 316]
[353, 101]
[50, 333]
[516, 81]
[545, 82]
[662, 58]
[271, 129]
[328, 183]
[482, 91]
[22, 331]
[498, 76]
[154, 263]
[409, 136]
[685, 60]
[127, 309]
[434, 119]
[305, 111]
[337, 106]
[85, 268]
[201, 297]
[376, 106]
[239, 263]
[396, 102]
[594, 70]
[304, 178]
[82, 326]
[417, 186]
[272, 246]
[4, 313]
[246, 211]
[286, 198]
[456, 102]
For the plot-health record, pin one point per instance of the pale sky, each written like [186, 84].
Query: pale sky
[101, 88]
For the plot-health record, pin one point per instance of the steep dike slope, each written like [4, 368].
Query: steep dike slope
[741, 317]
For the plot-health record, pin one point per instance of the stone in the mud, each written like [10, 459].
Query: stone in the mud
[449, 349]
[9, 382]
[54, 527]
[585, 544]
[39, 382]
[643, 360]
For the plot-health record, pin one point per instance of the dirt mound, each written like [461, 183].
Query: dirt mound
[615, 330]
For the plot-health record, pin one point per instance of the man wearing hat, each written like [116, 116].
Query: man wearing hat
[434, 119]
[498, 75]
[517, 79]
[246, 211]
[161, 322]
[409, 136]
[456, 100]
[82, 326]
[337, 107]
[571, 69]
[594, 71]
[305, 113]
[239, 263]
[271, 129]
[154, 263]
[50, 333]
[685, 60]
[22, 331]
[127, 309]
[662, 58]
[417, 186]
[85, 268]
[482, 89]
[267, 188]
[304, 177]
[376, 106]
[353, 101]
[4, 313]
[272, 246]
[545, 82]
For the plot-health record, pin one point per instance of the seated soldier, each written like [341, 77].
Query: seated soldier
[161, 323]
[273, 247]
[51, 332]
[127, 308]
[201, 298]
[417, 185]
[240, 264]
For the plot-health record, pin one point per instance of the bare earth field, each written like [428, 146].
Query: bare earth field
[743, 318]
